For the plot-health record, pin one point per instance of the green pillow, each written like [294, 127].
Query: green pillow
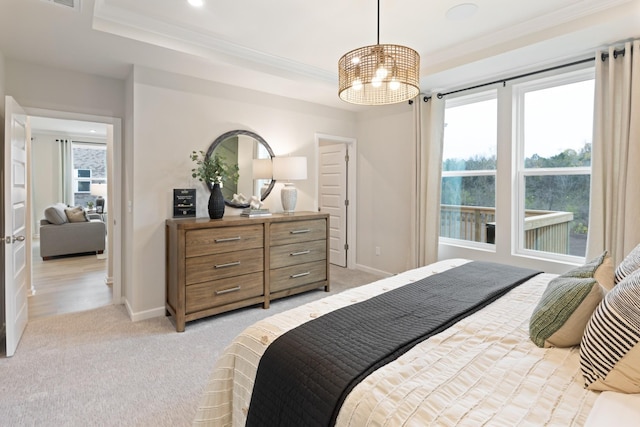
[567, 304]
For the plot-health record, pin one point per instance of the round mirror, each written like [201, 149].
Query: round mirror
[245, 149]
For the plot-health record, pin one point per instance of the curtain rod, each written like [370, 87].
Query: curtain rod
[503, 81]
[603, 57]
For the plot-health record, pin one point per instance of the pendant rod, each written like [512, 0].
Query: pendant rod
[378, 21]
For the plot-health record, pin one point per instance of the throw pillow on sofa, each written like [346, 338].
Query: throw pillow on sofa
[55, 214]
[76, 214]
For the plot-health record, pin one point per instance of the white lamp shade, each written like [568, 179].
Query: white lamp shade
[289, 168]
[99, 190]
[262, 169]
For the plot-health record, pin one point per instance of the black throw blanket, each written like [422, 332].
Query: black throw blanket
[305, 374]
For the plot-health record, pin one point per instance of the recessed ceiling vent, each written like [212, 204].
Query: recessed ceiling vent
[73, 4]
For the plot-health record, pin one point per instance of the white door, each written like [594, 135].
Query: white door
[333, 198]
[15, 231]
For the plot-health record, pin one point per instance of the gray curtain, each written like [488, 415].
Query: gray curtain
[65, 166]
[615, 200]
[427, 172]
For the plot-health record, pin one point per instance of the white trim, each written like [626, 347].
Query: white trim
[367, 269]
[146, 314]
[482, 172]
[114, 228]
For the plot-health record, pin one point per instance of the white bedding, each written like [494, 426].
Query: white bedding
[482, 371]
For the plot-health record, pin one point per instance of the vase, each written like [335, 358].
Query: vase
[216, 202]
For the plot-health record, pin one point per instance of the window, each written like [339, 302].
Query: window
[89, 161]
[555, 125]
[527, 147]
[468, 194]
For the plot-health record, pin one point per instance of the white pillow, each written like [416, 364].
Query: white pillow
[55, 214]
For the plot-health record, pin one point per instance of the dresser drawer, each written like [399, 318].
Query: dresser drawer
[213, 267]
[210, 241]
[297, 275]
[298, 253]
[225, 291]
[283, 233]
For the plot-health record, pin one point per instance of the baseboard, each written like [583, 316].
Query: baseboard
[143, 315]
[367, 269]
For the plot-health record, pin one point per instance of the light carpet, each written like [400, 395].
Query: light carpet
[99, 368]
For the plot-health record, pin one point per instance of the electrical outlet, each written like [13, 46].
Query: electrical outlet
[377, 250]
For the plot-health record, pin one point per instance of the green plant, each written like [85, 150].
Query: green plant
[211, 170]
[90, 204]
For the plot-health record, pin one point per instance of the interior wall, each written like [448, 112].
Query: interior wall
[2, 86]
[166, 116]
[174, 115]
[385, 163]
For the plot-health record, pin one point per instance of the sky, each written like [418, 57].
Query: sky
[556, 119]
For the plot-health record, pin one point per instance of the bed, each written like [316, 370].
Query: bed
[483, 370]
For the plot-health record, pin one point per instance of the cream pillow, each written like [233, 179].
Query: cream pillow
[610, 347]
[76, 214]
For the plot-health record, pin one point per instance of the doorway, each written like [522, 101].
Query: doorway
[336, 194]
[77, 283]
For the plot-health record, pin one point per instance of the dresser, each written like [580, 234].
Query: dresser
[214, 266]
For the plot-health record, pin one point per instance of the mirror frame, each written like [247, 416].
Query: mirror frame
[219, 140]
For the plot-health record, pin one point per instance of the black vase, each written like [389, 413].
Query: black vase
[216, 202]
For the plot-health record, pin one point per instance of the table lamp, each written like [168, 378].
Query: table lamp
[287, 169]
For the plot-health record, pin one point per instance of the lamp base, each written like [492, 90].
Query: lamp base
[289, 195]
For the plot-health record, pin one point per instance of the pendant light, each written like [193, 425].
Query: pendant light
[379, 74]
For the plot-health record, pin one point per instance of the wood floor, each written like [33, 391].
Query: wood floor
[67, 284]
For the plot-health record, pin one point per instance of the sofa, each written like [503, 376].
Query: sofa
[67, 230]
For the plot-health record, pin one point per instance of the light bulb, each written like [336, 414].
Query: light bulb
[355, 60]
[381, 72]
[357, 84]
[376, 81]
[394, 84]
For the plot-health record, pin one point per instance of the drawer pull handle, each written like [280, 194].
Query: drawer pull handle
[302, 231]
[228, 239]
[226, 291]
[299, 253]
[295, 276]
[229, 264]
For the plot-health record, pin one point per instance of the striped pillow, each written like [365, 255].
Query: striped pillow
[628, 265]
[610, 347]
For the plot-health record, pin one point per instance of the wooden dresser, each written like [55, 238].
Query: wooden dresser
[219, 265]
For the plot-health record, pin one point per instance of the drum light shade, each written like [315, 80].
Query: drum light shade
[379, 74]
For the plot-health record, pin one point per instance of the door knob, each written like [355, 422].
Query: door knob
[16, 239]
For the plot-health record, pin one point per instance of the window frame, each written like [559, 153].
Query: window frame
[458, 101]
[518, 230]
[509, 183]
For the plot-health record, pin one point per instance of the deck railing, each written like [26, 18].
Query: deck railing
[546, 231]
